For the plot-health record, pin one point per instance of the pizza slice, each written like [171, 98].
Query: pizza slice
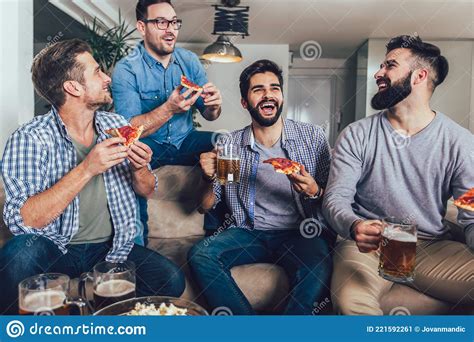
[283, 165]
[466, 201]
[185, 82]
[131, 133]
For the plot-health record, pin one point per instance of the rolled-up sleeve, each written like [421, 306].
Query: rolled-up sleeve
[24, 174]
[217, 189]
[125, 92]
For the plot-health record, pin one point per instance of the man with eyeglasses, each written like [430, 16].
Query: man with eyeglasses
[147, 91]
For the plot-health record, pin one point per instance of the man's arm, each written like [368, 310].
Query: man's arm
[209, 188]
[461, 182]
[144, 181]
[346, 169]
[210, 102]
[127, 102]
[177, 103]
[43, 208]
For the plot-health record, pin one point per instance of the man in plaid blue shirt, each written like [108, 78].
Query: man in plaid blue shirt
[70, 190]
[276, 218]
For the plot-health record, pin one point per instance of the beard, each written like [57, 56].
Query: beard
[104, 103]
[260, 119]
[394, 93]
[160, 48]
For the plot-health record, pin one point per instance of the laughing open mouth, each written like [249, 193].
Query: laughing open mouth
[383, 85]
[267, 107]
[169, 39]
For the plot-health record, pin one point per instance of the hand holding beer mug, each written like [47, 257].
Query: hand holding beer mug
[113, 282]
[47, 295]
[398, 250]
[228, 162]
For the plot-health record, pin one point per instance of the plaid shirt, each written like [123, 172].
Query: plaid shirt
[303, 143]
[38, 155]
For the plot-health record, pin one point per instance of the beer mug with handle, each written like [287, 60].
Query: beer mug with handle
[228, 162]
[47, 295]
[112, 282]
[398, 250]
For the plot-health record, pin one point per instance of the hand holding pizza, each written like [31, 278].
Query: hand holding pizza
[303, 182]
[212, 96]
[179, 103]
[105, 155]
[139, 155]
[208, 163]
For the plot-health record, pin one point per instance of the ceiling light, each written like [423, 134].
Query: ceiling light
[229, 20]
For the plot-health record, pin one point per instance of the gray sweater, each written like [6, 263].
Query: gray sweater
[376, 172]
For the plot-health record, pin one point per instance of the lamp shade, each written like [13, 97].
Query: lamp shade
[222, 51]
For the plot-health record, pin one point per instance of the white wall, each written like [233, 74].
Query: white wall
[226, 78]
[342, 72]
[454, 96]
[16, 89]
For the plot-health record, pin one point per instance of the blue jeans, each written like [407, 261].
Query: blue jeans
[188, 154]
[306, 261]
[27, 255]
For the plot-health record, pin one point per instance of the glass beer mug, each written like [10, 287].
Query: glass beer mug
[398, 250]
[47, 295]
[228, 162]
[113, 282]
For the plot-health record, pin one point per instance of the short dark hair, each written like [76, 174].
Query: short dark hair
[141, 11]
[258, 67]
[426, 53]
[55, 65]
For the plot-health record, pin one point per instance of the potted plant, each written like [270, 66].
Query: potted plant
[109, 45]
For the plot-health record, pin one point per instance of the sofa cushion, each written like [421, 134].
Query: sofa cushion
[264, 285]
[172, 210]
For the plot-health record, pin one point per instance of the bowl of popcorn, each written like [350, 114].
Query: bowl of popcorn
[153, 306]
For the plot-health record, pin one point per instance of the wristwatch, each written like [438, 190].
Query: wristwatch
[316, 196]
[208, 180]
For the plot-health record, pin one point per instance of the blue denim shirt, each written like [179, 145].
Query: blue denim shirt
[140, 84]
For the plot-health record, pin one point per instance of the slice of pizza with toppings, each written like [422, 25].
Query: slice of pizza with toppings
[129, 132]
[466, 201]
[185, 82]
[283, 165]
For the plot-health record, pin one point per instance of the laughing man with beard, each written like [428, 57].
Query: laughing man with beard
[277, 218]
[406, 161]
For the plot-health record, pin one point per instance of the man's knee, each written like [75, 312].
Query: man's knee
[26, 251]
[348, 301]
[202, 252]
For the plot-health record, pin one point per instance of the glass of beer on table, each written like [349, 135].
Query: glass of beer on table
[228, 162]
[112, 283]
[47, 295]
[398, 250]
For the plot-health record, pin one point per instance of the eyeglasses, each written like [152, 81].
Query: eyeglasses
[163, 24]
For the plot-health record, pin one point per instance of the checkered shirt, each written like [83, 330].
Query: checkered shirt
[302, 142]
[38, 155]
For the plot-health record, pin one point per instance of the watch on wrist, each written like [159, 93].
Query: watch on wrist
[317, 195]
[207, 179]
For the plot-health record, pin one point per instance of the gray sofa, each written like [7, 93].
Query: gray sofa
[175, 226]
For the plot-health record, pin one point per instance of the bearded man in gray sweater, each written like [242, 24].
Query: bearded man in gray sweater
[405, 161]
